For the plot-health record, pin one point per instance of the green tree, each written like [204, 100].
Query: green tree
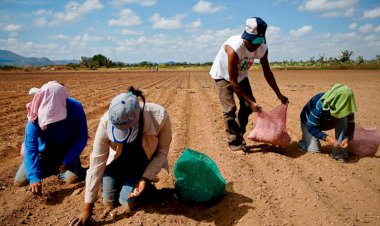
[85, 61]
[346, 55]
[360, 60]
[100, 61]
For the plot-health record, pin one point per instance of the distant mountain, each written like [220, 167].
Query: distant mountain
[12, 59]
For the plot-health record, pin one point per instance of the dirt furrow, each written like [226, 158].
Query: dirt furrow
[267, 186]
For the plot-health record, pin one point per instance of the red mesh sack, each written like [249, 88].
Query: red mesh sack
[365, 142]
[271, 127]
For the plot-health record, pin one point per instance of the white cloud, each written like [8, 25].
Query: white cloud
[60, 36]
[371, 38]
[119, 3]
[40, 12]
[212, 37]
[84, 38]
[130, 32]
[26, 49]
[337, 13]
[89, 38]
[325, 44]
[40, 22]
[377, 29]
[134, 50]
[126, 18]
[167, 23]
[301, 31]
[73, 11]
[12, 41]
[195, 25]
[366, 28]
[13, 34]
[209, 37]
[273, 34]
[330, 8]
[372, 13]
[324, 5]
[340, 37]
[12, 28]
[353, 26]
[206, 7]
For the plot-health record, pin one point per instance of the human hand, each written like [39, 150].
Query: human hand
[36, 188]
[255, 107]
[139, 188]
[62, 168]
[333, 142]
[84, 217]
[283, 98]
[344, 143]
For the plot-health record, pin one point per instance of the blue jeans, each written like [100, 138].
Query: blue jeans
[69, 176]
[310, 143]
[121, 176]
[116, 191]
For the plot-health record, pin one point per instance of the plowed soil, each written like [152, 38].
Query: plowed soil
[267, 186]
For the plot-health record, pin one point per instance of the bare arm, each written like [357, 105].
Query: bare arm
[233, 72]
[84, 217]
[269, 77]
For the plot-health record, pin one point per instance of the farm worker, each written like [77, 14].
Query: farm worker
[130, 148]
[326, 111]
[230, 72]
[55, 135]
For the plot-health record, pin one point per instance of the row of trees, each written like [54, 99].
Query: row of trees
[95, 62]
[98, 61]
[342, 61]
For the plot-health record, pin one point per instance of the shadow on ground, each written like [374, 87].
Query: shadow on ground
[212, 212]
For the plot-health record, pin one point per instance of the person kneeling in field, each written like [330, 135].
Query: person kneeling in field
[55, 135]
[326, 111]
[130, 148]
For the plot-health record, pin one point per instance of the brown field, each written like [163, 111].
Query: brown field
[270, 186]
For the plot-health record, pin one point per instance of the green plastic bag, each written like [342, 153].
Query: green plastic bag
[197, 178]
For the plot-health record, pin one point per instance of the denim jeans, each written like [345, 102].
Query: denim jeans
[71, 175]
[121, 176]
[235, 126]
[340, 129]
[311, 144]
[116, 191]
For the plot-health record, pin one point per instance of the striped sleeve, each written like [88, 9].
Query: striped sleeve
[314, 118]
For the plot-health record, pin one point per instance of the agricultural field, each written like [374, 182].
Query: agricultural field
[267, 186]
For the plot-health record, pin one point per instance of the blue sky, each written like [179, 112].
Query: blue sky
[132, 31]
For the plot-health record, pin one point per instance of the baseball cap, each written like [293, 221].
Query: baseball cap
[33, 91]
[254, 31]
[123, 118]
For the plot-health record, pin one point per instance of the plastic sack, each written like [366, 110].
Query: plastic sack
[271, 127]
[365, 142]
[197, 178]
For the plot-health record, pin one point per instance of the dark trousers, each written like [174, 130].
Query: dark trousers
[235, 127]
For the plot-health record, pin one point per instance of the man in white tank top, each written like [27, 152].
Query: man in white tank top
[230, 72]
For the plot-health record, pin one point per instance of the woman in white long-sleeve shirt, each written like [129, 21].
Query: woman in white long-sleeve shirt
[130, 148]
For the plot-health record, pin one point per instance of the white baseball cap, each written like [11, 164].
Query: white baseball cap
[254, 31]
[123, 118]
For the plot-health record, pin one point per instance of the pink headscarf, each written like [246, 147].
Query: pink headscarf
[48, 105]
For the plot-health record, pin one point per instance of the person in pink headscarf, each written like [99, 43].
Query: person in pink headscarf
[55, 135]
